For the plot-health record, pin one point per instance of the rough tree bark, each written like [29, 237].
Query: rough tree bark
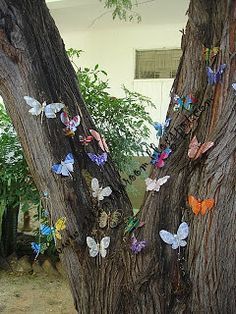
[33, 62]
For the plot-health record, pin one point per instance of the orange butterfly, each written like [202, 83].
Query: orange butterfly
[196, 149]
[199, 206]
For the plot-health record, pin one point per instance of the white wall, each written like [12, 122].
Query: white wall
[114, 50]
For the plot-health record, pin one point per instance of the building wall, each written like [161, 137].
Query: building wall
[114, 50]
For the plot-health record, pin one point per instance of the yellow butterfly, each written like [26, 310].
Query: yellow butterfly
[111, 220]
[60, 225]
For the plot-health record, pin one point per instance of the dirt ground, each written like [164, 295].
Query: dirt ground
[33, 294]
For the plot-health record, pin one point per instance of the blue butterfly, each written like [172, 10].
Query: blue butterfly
[215, 77]
[98, 159]
[161, 127]
[45, 230]
[36, 247]
[65, 167]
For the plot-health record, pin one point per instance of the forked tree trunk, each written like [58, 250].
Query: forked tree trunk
[33, 62]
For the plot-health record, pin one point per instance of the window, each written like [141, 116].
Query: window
[152, 64]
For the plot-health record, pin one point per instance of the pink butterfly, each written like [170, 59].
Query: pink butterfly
[196, 149]
[71, 125]
[100, 139]
[160, 161]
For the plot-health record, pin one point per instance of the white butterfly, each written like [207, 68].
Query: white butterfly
[95, 248]
[50, 110]
[154, 185]
[176, 240]
[100, 192]
[234, 86]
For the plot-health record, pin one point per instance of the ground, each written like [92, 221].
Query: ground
[34, 294]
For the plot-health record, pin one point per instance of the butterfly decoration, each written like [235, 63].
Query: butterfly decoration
[210, 53]
[49, 110]
[158, 159]
[161, 127]
[199, 206]
[137, 246]
[99, 192]
[176, 240]
[85, 140]
[71, 124]
[45, 230]
[155, 185]
[65, 167]
[215, 77]
[100, 139]
[98, 248]
[184, 102]
[59, 226]
[98, 159]
[196, 149]
[111, 220]
[133, 223]
[36, 247]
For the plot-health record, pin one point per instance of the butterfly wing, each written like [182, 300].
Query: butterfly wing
[98, 159]
[167, 237]
[103, 219]
[158, 127]
[95, 187]
[234, 86]
[35, 104]
[60, 224]
[194, 204]
[69, 161]
[207, 205]
[100, 139]
[51, 109]
[115, 218]
[104, 192]
[103, 246]
[74, 123]
[160, 182]
[45, 230]
[65, 119]
[160, 163]
[193, 147]
[36, 247]
[210, 76]
[183, 231]
[57, 168]
[93, 247]
[203, 148]
[150, 184]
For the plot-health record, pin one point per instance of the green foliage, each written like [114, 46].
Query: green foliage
[122, 121]
[16, 184]
[122, 9]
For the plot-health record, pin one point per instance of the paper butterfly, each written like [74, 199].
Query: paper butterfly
[71, 125]
[98, 159]
[159, 161]
[85, 140]
[137, 246]
[176, 240]
[184, 102]
[65, 167]
[154, 185]
[199, 206]
[36, 247]
[161, 127]
[59, 226]
[196, 149]
[100, 139]
[210, 53]
[98, 248]
[111, 220]
[50, 110]
[99, 192]
[45, 230]
[215, 77]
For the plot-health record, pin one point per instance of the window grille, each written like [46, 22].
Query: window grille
[154, 64]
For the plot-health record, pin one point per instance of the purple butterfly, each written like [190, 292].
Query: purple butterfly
[98, 159]
[215, 77]
[137, 246]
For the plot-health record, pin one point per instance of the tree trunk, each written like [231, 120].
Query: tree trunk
[200, 280]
